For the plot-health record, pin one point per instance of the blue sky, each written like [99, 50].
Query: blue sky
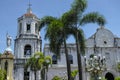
[10, 10]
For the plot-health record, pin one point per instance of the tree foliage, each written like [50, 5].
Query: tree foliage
[59, 29]
[79, 19]
[74, 73]
[56, 78]
[117, 78]
[2, 74]
[38, 62]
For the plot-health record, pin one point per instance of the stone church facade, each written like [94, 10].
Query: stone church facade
[103, 43]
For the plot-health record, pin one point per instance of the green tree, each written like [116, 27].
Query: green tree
[38, 62]
[117, 78]
[44, 62]
[33, 64]
[56, 78]
[80, 19]
[74, 74]
[59, 29]
[2, 74]
[57, 33]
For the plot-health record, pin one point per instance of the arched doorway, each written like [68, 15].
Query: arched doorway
[109, 76]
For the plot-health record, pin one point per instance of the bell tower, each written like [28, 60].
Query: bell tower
[27, 42]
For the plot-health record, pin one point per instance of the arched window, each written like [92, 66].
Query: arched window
[70, 58]
[54, 59]
[27, 50]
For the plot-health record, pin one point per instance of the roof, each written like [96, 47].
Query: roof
[28, 14]
[7, 55]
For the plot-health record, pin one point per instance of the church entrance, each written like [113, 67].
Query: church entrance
[109, 76]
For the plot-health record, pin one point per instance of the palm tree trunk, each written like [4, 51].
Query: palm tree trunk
[42, 74]
[79, 57]
[67, 60]
[35, 74]
[46, 74]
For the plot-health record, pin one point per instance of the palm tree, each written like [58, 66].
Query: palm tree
[33, 64]
[59, 29]
[44, 62]
[38, 62]
[80, 19]
[57, 35]
[74, 74]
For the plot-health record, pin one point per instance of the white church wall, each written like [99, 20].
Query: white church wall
[89, 42]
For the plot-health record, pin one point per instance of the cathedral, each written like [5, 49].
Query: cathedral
[103, 44]
[28, 41]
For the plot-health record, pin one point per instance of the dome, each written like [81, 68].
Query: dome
[28, 14]
[8, 49]
[7, 55]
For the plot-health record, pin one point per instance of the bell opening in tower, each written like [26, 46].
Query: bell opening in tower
[28, 28]
[27, 50]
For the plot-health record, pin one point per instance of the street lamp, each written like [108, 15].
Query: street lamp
[95, 65]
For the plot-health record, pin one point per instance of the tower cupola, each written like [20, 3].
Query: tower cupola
[28, 25]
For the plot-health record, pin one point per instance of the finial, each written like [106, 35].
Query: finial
[102, 27]
[29, 10]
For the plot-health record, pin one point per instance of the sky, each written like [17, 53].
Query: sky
[10, 10]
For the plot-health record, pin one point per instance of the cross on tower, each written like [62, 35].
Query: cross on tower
[29, 10]
[29, 4]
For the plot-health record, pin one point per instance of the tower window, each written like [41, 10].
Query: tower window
[28, 28]
[70, 59]
[54, 59]
[20, 27]
[36, 28]
[27, 50]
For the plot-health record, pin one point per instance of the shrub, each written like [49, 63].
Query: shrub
[2, 74]
[117, 78]
[103, 78]
[56, 78]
